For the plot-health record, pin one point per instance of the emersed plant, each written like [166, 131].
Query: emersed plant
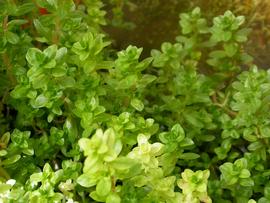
[81, 122]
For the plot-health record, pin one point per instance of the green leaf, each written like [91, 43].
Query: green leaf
[267, 191]
[146, 79]
[87, 180]
[61, 53]
[226, 36]
[12, 37]
[127, 82]
[178, 131]
[246, 58]
[122, 163]
[25, 8]
[113, 198]
[241, 35]
[137, 104]
[231, 49]
[11, 160]
[5, 138]
[96, 197]
[241, 163]
[29, 152]
[50, 52]
[50, 64]
[104, 186]
[247, 182]
[67, 82]
[207, 138]
[189, 156]
[4, 188]
[70, 127]
[59, 72]
[186, 142]
[3, 152]
[36, 177]
[255, 146]
[218, 54]
[144, 64]
[16, 22]
[40, 101]
[244, 174]
[35, 57]
[193, 119]
[265, 131]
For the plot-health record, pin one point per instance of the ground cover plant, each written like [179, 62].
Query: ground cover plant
[83, 122]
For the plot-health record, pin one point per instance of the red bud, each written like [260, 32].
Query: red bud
[43, 11]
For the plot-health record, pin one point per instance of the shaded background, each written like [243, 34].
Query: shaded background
[148, 23]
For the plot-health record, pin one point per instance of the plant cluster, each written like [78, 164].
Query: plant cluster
[82, 122]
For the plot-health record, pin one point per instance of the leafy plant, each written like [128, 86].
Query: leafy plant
[82, 122]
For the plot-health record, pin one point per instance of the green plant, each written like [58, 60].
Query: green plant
[81, 122]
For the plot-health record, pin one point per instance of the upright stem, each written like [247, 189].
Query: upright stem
[6, 59]
[56, 36]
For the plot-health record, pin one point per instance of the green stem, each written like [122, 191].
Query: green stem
[4, 173]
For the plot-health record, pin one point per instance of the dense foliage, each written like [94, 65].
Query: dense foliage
[82, 122]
